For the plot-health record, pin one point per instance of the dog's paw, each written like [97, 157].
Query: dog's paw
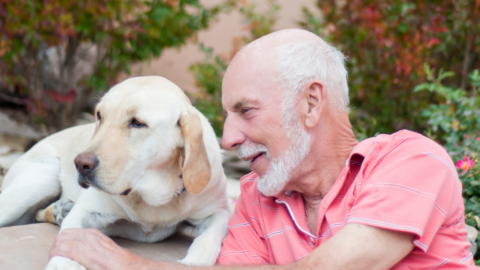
[192, 260]
[62, 208]
[199, 255]
[62, 263]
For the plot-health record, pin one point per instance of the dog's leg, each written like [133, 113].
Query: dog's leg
[55, 212]
[93, 209]
[86, 213]
[212, 231]
[46, 215]
[62, 263]
[29, 185]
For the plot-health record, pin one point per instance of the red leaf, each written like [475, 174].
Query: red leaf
[433, 42]
[65, 98]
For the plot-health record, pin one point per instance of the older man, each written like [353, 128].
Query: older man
[316, 197]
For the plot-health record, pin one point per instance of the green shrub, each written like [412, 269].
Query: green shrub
[208, 77]
[455, 123]
[209, 72]
[386, 44]
[102, 37]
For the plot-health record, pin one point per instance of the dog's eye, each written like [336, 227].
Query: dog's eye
[99, 118]
[137, 124]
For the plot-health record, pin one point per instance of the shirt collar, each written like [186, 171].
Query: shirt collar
[359, 152]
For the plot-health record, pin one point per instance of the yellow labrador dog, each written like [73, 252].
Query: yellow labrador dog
[149, 162]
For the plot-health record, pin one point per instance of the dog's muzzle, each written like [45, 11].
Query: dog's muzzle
[86, 181]
[86, 163]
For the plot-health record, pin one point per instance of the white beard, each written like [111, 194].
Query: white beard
[279, 172]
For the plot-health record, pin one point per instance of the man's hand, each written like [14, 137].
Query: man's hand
[92, 249]
[358, 246]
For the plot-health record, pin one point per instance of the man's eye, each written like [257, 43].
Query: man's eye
[99, 118]
[245, 110]
[137, 124]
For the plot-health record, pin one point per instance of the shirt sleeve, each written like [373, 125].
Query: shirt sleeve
[243, 244]
[410, 187]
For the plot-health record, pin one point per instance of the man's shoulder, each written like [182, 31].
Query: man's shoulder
[407, 150]
[410, 154]
[407, 142]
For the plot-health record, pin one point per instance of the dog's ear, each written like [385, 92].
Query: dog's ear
[196, 169]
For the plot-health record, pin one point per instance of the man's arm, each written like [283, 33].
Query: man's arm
[358, 246]
[94, 250]
[355, 246]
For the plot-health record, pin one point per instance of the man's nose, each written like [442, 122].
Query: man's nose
[233, 136]
[86, 163]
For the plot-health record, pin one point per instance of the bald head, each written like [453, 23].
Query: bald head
[290, 59]
[267, 43]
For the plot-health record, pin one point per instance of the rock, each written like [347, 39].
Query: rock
[233, 166]
[16, 143]
[13, 128]
[85, 118]
[16, 136]
[4, 150]
[6, 161]
[234, 169]
[233, 192]
[26, 247]
[472, 236]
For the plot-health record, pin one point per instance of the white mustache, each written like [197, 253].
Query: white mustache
[248, 149]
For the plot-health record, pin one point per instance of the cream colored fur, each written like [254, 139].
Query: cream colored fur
[152, 161]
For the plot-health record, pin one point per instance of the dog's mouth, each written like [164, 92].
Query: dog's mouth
[84, 185]
[90, 181]
[85, 181]
[126, 192]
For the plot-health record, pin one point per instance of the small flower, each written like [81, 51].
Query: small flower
[465, 164]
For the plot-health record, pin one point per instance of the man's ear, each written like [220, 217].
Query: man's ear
[313, 100]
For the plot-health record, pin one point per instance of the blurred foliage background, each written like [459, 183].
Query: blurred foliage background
[412, 64]
[387, 44]
[55, 55]
[209, 73]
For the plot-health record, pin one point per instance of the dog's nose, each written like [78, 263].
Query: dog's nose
[86, 162]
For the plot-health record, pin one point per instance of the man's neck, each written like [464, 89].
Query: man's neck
[320, 170]
[321, 167]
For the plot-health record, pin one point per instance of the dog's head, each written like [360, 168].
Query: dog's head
[148, 140]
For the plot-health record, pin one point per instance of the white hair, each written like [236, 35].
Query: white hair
[298, 63]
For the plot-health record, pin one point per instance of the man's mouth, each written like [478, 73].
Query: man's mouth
[254, 157]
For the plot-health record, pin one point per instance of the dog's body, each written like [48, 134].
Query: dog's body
[151, 161]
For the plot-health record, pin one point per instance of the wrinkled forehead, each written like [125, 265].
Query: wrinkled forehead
[251, 75]
[138, 95]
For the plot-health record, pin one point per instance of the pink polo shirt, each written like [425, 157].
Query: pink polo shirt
[402, 182]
